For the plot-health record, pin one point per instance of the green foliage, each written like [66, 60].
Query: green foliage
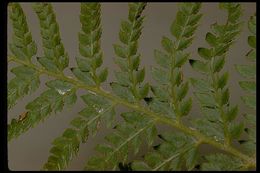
[66, 146]
[212, 92]
[176, 151]
[167, 104]
[169, 75]
[128, 137]
[90, 61]
[24, 48]
[60, 94]
[129, 80]
[249, 85]
[221, 162]
[54, 53]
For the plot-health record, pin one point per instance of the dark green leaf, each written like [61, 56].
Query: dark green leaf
[120, 51]
[218, 63]
[140, 75]
[205, 53]
[103, 75]
[185, 107]
[236, 130]
[199, 66]
[232, 113]
[252, 41]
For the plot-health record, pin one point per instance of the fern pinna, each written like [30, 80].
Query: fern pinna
[167, 103]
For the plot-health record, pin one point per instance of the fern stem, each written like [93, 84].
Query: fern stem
[140, 108]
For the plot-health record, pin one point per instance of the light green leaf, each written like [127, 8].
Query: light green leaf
[160, 92]
[83, 76]
[247, 71]
[249, 86]
[205, 99]
[122, 92]
[162, 59]
[120, 51]
[61, 87]
[48, 64]
[249, 101]
[84, 64]
[122, 78]
[160, 75]
[250, 118]
[167, 44]
[121, 63]
[200, 84]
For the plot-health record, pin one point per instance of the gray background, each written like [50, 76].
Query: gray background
[31, 150]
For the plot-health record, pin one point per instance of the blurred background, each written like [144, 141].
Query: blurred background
[31, 150]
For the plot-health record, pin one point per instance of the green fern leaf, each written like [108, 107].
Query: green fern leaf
[220, 162]
[23, 48]
[53, 47]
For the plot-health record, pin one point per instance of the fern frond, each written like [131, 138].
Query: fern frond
[171, 91]
[24, 48]
[249, 72]
[55, 58]
[97, 108]
[214, 95]
[128, 86]
[176, 150]
[129, 80]
[128, 136]
[89, 46]
[67, 146]
[60, 94]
